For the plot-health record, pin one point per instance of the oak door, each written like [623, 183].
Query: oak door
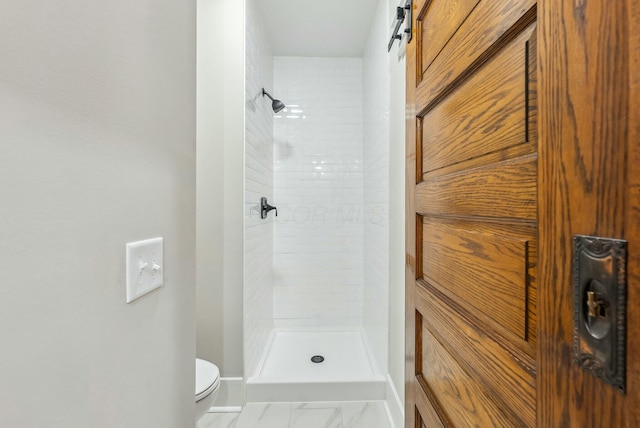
[472, 213]
[489, 317]
[589, 127]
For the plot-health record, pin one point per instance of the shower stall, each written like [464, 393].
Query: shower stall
[316, 276]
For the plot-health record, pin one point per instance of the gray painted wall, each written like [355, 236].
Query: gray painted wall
[220, 177]
[97, 136]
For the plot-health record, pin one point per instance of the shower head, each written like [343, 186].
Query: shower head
[276, 105]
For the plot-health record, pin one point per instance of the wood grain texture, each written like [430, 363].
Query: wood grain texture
[491, 25]
[513, 152]
[461, 396]
[586, 177]
[485, 114]
[632, 220]
[531, 103]
[410, 230]
[490, 274]
[427, 411]
[512, 383]
[432, 33]
[523, 350]
[504, 190]
[472, 172]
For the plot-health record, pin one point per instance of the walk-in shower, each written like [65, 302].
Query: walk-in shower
[316, 276]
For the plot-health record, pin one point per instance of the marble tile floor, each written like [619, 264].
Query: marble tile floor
[365, 414]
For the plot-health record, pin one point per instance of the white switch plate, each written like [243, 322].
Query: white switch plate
[144, 267]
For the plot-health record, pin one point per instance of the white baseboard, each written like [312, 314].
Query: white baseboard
[231, 409]
[395, 406]
[231, 395]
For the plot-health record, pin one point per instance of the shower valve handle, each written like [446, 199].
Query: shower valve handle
[265, 208]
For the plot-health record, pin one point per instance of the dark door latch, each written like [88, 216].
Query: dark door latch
[599, 293]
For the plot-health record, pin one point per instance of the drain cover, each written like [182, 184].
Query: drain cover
[317, 359]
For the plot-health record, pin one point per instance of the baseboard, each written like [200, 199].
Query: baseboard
[394, 405]
[231, 395]
[231, 409]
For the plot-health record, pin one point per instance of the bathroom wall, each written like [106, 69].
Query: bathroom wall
[384, 199]
[384, 195]
[397, 91]
[97, 101]
[258, 247]
[376, 188]
[318, 185]
[220, 183]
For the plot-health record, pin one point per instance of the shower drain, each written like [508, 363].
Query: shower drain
[317, 359]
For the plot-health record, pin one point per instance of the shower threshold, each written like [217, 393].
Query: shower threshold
[316, 365]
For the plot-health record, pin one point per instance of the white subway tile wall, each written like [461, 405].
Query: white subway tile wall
[318, 188]
[258, 240]
[376, 189]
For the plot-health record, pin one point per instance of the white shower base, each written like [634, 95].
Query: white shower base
[288, 374]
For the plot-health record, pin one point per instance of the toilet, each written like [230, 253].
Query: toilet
[207, 385]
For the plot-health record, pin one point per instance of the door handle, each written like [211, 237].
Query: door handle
[599, 287]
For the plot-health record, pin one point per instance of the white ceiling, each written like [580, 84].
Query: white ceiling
[319, 28]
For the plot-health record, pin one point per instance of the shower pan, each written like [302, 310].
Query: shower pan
[316, 365]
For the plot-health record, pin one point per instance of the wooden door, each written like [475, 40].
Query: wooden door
[589, 110]
[489, 317]
[472, 214]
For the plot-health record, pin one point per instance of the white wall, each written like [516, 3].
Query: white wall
[376, 188]
[384, 171]
[258, 246]
[220, 181]
[97, 101]
[318, 191]
[397, 99]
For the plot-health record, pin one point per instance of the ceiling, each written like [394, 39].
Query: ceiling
[318, 28]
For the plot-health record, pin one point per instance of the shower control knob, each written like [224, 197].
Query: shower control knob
[265, 208]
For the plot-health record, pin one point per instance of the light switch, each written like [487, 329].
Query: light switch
[144, 267]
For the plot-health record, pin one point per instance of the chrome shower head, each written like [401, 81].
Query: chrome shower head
[276, 105]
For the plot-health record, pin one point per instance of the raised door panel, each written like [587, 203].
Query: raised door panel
[485, 359]
[461, 396]
[486, 113]
[483, 31]
[501, 190]
[490, 273]
[453, 12]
